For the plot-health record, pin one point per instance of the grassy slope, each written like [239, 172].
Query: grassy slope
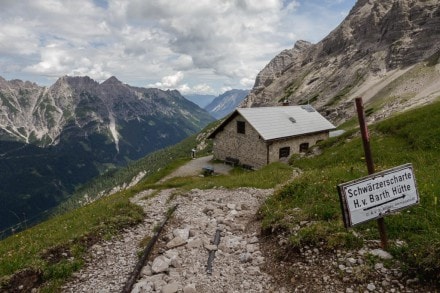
[312, 196]
[75, 230]
[413, 137]
[72, 233]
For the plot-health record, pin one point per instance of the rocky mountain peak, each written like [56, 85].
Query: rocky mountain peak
[81, 82]
[377, 43]
[278, 65]
[78, 83]
[301, 45]
[76, 80]
[112, 81]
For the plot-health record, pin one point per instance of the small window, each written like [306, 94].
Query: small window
[241, 127]
[303, 147]
[284, 152]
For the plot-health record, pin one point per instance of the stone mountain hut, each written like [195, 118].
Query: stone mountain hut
[255, 137]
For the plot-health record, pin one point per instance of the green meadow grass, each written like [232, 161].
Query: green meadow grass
[412, 137]
[72, 233]
[264, 178]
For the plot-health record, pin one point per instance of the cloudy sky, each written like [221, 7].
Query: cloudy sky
[195, 46]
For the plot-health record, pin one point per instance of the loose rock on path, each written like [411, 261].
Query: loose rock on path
[180, 262]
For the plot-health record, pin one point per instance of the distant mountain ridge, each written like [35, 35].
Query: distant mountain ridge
[200, 100]
[386, 51]
[226, 103]
[38, 115]
[53, 139]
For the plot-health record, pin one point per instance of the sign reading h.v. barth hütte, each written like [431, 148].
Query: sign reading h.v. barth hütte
[379, 194]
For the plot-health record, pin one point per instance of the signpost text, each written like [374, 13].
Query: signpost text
[381, 193]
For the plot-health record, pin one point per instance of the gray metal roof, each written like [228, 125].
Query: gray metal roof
[285, 121]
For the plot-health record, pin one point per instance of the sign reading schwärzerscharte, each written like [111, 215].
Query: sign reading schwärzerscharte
[378, 194]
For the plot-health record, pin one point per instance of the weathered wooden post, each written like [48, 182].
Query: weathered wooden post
[370, 164]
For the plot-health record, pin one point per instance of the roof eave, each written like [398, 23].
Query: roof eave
[292, 136]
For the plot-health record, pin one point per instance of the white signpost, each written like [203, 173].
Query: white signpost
[376, 195]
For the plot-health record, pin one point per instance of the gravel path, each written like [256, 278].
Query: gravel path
[180, 261]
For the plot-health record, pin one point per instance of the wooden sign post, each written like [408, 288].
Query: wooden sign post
[370, 164]
[378, 194]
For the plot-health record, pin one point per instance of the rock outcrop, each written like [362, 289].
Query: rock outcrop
[378, 47]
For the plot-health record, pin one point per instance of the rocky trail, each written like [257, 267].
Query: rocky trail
[220, 226]
[179, 262]
[244, 261]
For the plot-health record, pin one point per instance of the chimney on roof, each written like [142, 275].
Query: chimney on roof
[285, 102]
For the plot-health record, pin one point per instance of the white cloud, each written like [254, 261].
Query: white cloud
[175, 81]
[225, 89]
[291, 7]
[16, 39]
[203, 88]
[170, 81]
[54, 59]
[184, 89]
[183, 62]
[247, 82]
[191, 45]
[57, 61]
